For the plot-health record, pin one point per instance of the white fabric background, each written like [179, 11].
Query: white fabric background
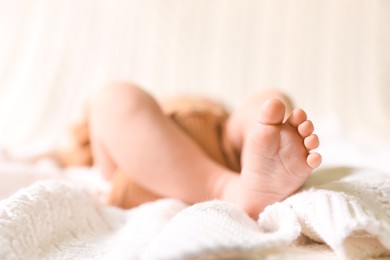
[332, 56]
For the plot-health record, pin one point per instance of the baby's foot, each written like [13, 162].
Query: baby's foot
[276, 157]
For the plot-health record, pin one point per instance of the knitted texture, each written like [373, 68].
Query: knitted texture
[60, 220]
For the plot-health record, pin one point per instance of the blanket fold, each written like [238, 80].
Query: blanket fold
[60, 220]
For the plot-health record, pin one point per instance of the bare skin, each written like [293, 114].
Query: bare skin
[130, 131]
[276, 158]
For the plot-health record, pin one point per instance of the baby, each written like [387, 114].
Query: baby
[130, 131]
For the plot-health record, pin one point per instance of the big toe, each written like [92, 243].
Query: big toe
[272, 112]
[264, 136]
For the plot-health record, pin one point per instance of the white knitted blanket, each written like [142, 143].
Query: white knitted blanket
[347, 209]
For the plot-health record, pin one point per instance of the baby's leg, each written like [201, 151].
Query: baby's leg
[129, 131]
[276, 158]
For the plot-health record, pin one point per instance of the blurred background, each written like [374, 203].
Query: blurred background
[331, 56]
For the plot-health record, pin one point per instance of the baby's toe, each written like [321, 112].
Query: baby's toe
[272, 112]
[314, 160]
[311, 142]
[306, 128]
[297, 117]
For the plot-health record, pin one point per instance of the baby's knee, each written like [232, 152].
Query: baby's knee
[122, 98]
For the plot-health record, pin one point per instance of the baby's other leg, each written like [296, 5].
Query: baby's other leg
[129, 131]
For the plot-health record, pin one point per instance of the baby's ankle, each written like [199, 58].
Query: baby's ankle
[231, 190]
[225, 186]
